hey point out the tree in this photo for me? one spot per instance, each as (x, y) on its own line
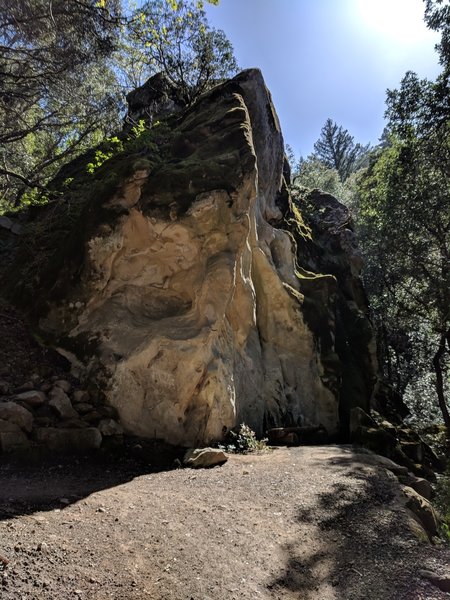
(175, 38)
(60, 94)
(56, 96)
(312, 173)
(336, 148)
(437, 17)
(404, 219)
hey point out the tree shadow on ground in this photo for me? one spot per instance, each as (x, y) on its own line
(49, 482)
(363, 547)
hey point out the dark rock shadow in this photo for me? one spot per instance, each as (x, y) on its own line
(366, 549)
(50, 482)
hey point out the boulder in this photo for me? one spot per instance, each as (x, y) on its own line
(359, 419)
(10, 411)
(63, 384)
(69, 440)
(61, 403)
(440, 580)
(83, 407)
(202, 458)
(421, 485)
(33, 398)
(422, 510)
(81, 396)
(295, 436)
(156, 99)
(109, 427)
(5, 388)
(386, 463)
(12, 438)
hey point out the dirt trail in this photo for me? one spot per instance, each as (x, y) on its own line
(300, 523)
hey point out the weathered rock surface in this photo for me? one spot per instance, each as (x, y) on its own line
(33, 398)
(12, 438)
(203, 458)
(422, 510)
(156, 99)
(10, 411)
(61, 403)
(440, 580)
(196, 298)
(108, 427)
(69, 440)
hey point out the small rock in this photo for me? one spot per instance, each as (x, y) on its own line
(109, 427)
(33, 398)
(107, 412)
(25, 387)
(43, 422)
(93, 417)
(10, 411)
(63, 384)
(60, 401)
(440, 581)
(419, 484)
(5, 388)
(69, 440)
(423, 510)
(81, 396)
(3, 560)
(43, 547)
(201, 458)
(83, 407)
(72, 424)
(12, 437)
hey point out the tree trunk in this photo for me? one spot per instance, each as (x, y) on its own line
(440, 381)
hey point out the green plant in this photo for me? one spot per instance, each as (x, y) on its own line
(108, 149)
(442, 501)
(245, 441)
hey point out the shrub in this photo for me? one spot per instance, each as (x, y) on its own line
(245, 441)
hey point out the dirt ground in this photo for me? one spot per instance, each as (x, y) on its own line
(299, 523)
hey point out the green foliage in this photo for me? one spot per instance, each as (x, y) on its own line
(442, 502)
(109, 148)
(175, 38)
(245, 441)
(61, 87)
(337, 150)
(404, 224)
(437, 17)
(58, 94)
(311, 173)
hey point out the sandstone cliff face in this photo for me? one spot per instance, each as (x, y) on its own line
(186, 289)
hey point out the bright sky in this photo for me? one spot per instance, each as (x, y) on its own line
(329, 58)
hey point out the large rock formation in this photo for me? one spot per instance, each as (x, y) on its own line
(180, 279)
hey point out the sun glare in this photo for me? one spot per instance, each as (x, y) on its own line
(400, 20)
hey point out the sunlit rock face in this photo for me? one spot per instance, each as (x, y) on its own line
(188, 306)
